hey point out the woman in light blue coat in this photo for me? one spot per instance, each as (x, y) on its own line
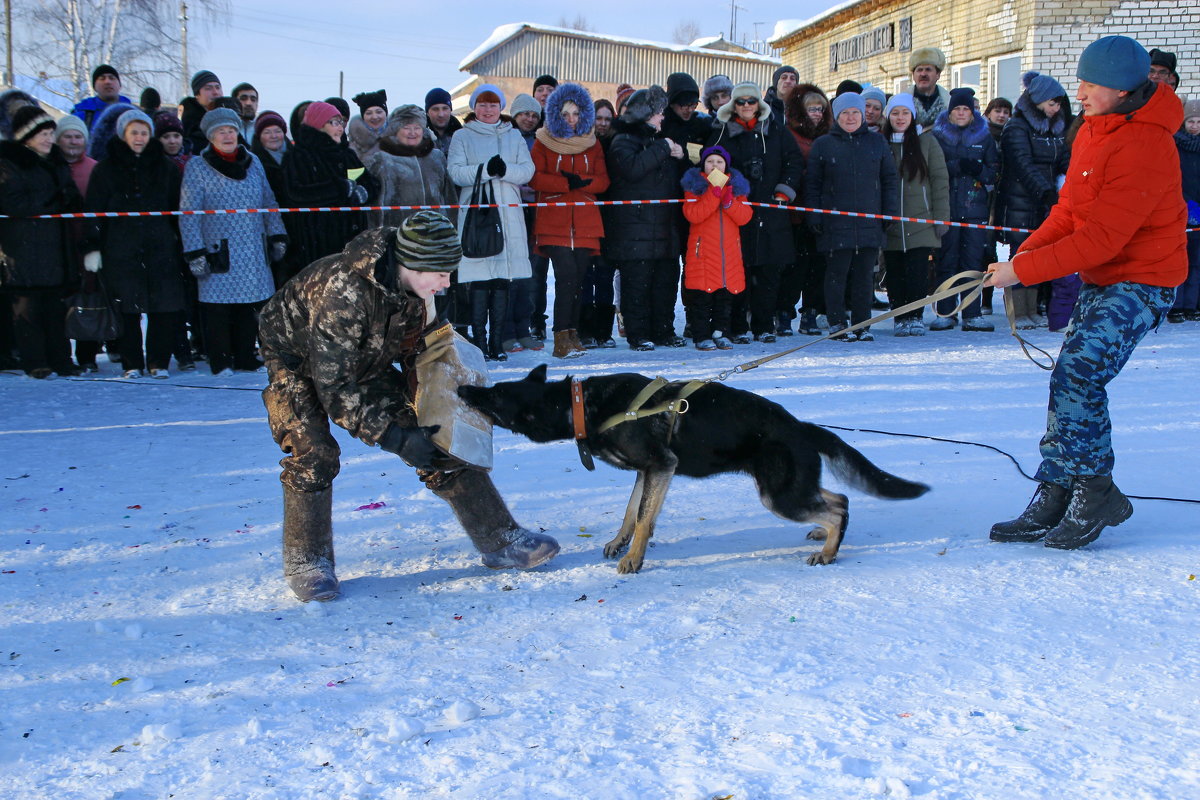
(490, 142)
(229, 253)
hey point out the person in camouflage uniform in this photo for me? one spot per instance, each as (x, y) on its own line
(329, 339)
(1120, 223)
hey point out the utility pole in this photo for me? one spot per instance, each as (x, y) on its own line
(341, 84)
(8, 64)
(183, 21)
(757, 44)
(733, 9)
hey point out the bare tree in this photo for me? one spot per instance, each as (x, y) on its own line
(686, 32)
(62, 41)
(580, 23)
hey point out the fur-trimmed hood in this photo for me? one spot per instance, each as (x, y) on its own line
(104, 128)
(797, 117)
(362, 136)
(972, 134)
(391, 146)
(578, 95)
(1039, 122)
(694, 181)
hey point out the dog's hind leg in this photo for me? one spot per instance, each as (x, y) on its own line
(631, 510)
(654, 493)
(832, 520)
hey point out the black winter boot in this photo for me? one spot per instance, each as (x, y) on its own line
(587, 325)
(497, 313)
(482, 512)
(478, 293)
(603, 326)
(308, 544)
(1095, 503)
(1044, 511)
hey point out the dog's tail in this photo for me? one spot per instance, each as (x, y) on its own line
(855, 469)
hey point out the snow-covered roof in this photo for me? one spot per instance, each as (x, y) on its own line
(509, 31)
(706, 40)
(786, 27)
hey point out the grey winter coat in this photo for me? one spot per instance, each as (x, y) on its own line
(210, 182)
(471, 148)
(410, 176)
(926, 199)
(851, 172)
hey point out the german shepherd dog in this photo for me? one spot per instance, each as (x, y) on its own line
(723, 430)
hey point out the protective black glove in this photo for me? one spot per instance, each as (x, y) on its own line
(970, 166)
(414, 445)
(1049, 197)
(574, 181)
(496, 166)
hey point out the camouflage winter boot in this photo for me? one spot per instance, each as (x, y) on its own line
(1095, 503)
(308, 544)
(1045, 510)
(482, 512)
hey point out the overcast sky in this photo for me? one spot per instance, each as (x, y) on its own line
(293, 51)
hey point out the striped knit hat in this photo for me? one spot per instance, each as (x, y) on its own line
(28, 120)
(428, 242)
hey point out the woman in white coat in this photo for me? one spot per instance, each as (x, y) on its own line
(490, 148)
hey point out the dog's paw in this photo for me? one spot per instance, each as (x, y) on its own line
(820, 534)
(627, 566)
(820, 558)
(614, 548)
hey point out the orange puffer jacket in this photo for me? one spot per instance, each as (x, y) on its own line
(714, 252)
(1120, 215)
(577, 227)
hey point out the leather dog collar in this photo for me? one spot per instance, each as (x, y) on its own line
(579, 424)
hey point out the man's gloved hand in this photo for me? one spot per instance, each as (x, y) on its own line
(574, 181)
(496, 166)
(91, 261)
(414, 445)
(278, 251)
(1049, 197)
(198, 266)
(970, 166)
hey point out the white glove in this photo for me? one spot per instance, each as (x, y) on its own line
(91, 261)
(198, 266)
(278, 251)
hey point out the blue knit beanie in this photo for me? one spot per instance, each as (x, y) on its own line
(902, 100)
(874, 93)
(490, 91)
(1042, 87)
(129, 117)
(437, 96)
(1115, 62)
(962, 96)
(847, 101)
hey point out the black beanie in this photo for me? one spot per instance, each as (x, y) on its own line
(365, 100)
(104, 69)
(682, 89)
(150, 100)
(848, 86)
(201, 79)
(341, 105)
(545, 80)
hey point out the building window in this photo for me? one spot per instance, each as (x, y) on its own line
(1004, 77)
(904, 84)
(966, 75)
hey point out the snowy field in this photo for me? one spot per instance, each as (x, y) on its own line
(150, 648)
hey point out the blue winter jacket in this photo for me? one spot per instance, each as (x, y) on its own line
(973, 143)
(89, 110)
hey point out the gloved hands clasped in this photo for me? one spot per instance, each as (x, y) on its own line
(355, 193)
(496, 166)
(574, 181)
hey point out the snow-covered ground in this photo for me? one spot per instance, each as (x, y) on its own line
(150, 648)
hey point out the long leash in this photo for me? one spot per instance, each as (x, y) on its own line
(969, 283)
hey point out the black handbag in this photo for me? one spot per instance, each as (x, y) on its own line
(482, 234)
(218, 260)
(91, 317)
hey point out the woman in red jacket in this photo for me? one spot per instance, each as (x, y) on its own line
(570, 168)
(713, 272)
(1120, 223)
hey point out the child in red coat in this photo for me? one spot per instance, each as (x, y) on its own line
(712, 271)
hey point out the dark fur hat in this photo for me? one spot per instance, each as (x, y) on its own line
(644, 104)
(569, 92)
(105, 128)
(10, 102)
(376, 99)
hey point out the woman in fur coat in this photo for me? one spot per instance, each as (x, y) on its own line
(569, 160)
(490, 149)
(712, 270)
(365, 129)
(139, 255)
(972, 163)
(408, 166)
(1035, 155)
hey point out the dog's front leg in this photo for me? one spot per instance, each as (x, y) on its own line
(631, 510)
(654, 493)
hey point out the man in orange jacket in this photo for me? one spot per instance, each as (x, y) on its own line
(1120, 223)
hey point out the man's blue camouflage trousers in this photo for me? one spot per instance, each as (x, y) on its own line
(1107, 324)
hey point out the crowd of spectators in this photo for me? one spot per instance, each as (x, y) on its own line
(753, 268)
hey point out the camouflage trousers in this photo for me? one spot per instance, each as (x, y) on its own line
(1106, 326)
(300, 424)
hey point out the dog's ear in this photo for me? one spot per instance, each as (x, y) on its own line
(537, 374)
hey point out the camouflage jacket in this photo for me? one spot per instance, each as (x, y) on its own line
(339, 325)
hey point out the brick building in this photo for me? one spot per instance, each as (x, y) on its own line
(988, 43)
